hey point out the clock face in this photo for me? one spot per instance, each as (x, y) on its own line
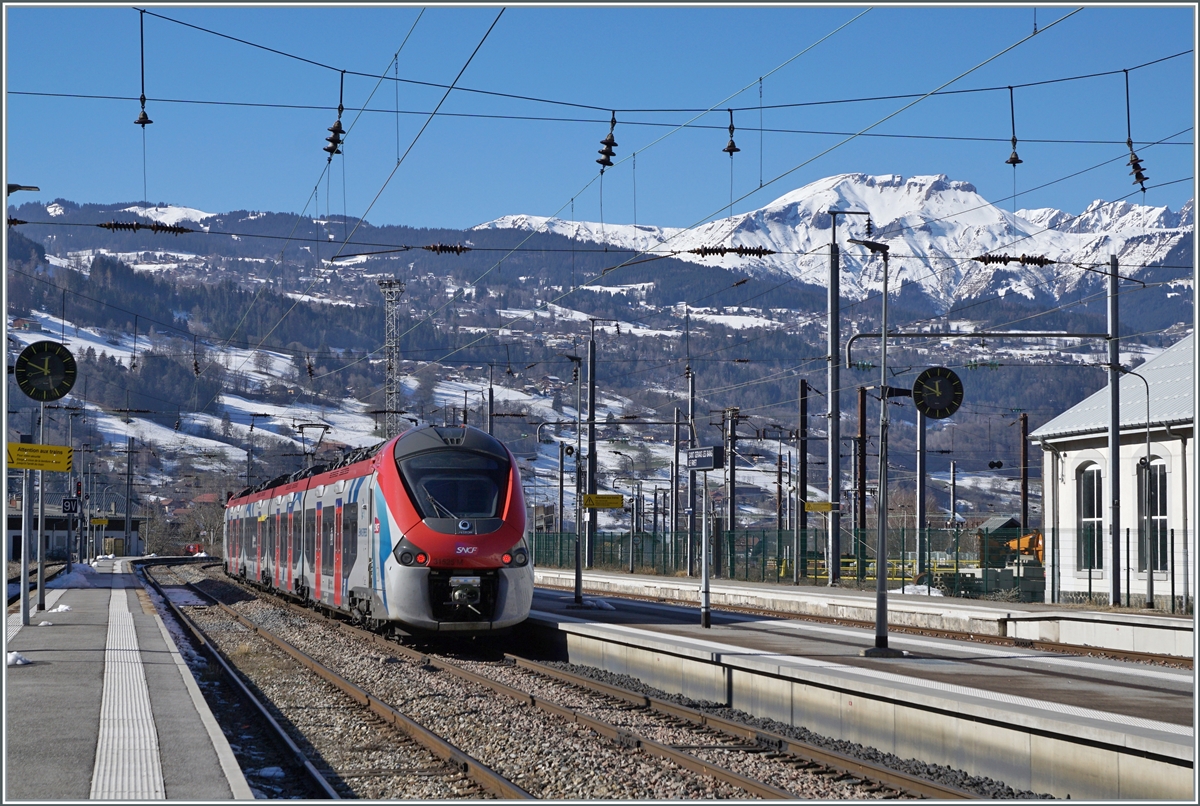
(937, 393)
(45, 370)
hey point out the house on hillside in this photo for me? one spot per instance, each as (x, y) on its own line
(1154, 528)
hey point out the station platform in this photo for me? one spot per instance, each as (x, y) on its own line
(100, 704)
(1117, 629)
(1065, 725)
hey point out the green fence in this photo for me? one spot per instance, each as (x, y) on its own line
(956, 561)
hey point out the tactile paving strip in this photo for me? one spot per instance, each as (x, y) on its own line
(127, 757)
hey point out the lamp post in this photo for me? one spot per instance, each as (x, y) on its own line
(881, 650)
(1144, 463)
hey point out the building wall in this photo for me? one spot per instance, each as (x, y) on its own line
(1061, 472)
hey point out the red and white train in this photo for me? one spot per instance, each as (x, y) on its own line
(424, 533)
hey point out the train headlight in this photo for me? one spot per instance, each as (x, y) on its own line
(408, 554)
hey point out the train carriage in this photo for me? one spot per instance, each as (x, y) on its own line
(422, 533)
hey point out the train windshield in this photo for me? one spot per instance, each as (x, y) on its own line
(456, 484)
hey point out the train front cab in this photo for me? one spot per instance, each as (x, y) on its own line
(450, 529)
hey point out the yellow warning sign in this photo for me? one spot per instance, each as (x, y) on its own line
(818, 506)
(99, 521)
(24, 456)
(603, 501)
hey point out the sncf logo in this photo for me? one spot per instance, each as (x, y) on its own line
(464, 549)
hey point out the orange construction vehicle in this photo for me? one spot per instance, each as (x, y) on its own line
(1030, 544)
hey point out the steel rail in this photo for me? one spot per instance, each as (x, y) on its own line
(479, 772)
(231, 674)
(16, 597)
(626, 738)
(773, 741)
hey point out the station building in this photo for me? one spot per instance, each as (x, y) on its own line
(1156, 527)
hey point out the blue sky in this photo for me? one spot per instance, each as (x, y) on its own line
(465, 169)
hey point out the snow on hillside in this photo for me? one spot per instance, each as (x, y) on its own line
(169, 214)
(933, 224)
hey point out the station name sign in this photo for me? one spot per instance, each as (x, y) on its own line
(710, 458)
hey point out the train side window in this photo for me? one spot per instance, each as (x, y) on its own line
(310, 531)
(328, 520)
(349, 537)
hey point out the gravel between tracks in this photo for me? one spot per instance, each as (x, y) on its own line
(984, 787)
(468, 716)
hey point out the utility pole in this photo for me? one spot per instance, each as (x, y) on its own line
(801, 561)
(691, 490)
(392, 289)
(1024, 472)
(1114, 431)
(41, 530)
(922, 516)
(672, 511)
(860, 500)
(128, 494)
(562, 448)
(591, 459)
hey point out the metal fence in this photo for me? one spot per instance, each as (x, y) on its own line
(1003, 564)
(955, 561)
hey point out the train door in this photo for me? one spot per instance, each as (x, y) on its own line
(318, 570)
(308, 562)
(338, 530)
(258, 539)
(290, 539)
(350, 542)
(278, 540)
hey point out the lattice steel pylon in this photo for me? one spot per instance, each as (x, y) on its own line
(392, 289)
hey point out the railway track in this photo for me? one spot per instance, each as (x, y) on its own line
(997, 640)
(741, 760)
(348, 744)
(52, 570)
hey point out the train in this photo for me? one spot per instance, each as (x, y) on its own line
(421, 534)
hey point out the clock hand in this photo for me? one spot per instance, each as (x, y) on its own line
(46, 366)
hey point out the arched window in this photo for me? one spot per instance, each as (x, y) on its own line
(1090, 545)
(1152, 516)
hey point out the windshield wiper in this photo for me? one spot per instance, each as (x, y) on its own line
(438, 505)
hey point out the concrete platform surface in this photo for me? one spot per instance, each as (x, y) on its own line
(1063, 724)
(1141, 631)
(105, 708)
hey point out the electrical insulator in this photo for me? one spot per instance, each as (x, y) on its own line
(609, 143)
(441, 248)
(335, 139)
(142, 120)
(574, 373)
(176, 423)
(1139, 177)
(308, 365)
(731, 148)
(995, 465)
(870, 227)
(863, 365)
(1013, 159)
(195, 366)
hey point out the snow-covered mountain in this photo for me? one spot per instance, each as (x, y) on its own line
(934, 226)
